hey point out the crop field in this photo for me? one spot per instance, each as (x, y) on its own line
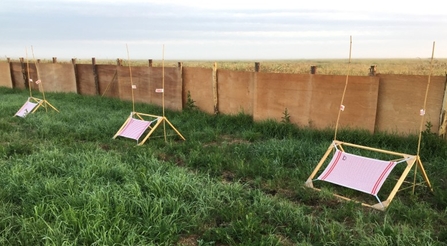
(361, 67)
(66, 181)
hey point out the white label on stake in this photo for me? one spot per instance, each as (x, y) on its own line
(159, 90)
(422, 112)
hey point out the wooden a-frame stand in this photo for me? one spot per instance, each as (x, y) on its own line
(160, 119)
(40, 102)
(411, 160)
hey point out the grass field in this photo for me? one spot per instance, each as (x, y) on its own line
(65, 181)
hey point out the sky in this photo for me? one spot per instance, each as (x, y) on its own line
(221, 30)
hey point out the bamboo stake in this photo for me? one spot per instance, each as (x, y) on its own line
(423, 119)
(425, 99)
(38, 78)
(163, 94)
(27, 71)
(130, 75)
(344, 90)
(163, 79)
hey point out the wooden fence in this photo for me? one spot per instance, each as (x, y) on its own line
(385, 103)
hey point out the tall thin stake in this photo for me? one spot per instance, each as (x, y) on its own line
(38, 78)
(163, 79)
(425, 99)
(27, 71)
(344, 90)
(130, 74)
(163, 86)
(422, 113)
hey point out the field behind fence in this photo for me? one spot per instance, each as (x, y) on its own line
(374, 100)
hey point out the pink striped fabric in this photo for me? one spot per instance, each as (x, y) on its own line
(357, 172)
(134, 128)
(26, 109)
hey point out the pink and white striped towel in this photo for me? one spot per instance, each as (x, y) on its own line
(357, 172)
(26, 109)
(134, 128)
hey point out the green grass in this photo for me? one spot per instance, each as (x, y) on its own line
(65, 181)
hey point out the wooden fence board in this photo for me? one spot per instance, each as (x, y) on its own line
(401, 97)
(274, 92)
(108, 80)
(198, 82)
(86, 79)
(235, 92)
(147, 80)
(360, 101)
(57, 77)
(5, 75)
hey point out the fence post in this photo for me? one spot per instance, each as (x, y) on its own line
(73, 61)
(180, 69)
(257, 66)
(215, 92)
(313, 69)
(443, 124)
(10, 71)
(24, 72)
(95, 75)
(372, 70)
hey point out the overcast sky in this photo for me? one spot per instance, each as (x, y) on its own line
(217, 30)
